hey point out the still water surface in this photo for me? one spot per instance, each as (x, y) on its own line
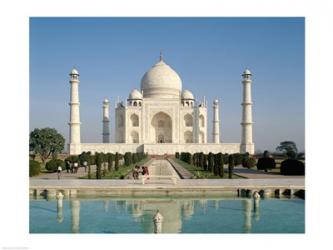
(104, 215)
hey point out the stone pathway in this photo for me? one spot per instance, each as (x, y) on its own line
(161, 167)
(255, 174)
(189, 184)
(65, 175)
(183, 172)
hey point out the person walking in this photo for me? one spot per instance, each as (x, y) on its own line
(147, 172)
(59, 172)
(85, 164)
(67, 166)
(134, 171)
(76, 167)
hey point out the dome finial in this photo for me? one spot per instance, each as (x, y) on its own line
(161, 56)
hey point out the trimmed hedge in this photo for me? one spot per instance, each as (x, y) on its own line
(292, 167)
(128, 158)
(249, 162)
(266, 163)
(99, 159)
(231, 165)
(53, 164)
(34, 168)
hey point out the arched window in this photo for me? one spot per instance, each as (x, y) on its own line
(135, 120)
(135, 104)
(188, 120)
(188, 137)
(202, 120)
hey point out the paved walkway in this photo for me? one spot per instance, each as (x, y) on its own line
(65, 175)
(190, 184)
(255, 174)
(183, 172)
(161, 167)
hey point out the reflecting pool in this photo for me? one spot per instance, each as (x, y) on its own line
(135, 215)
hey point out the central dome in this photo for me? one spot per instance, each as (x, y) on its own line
(161, 81)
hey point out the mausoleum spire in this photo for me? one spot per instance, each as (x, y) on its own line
(161, 56)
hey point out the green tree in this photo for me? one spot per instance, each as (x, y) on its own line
(46, 142)
(34, 168)
(231, 166)
(216, 165)
(201, 160)
(116, 161)
(99, 159)
(128, 158)
(110, 160)
(287, 147)
(220, 164)
(210, 162)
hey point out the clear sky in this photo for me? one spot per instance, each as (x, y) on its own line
(209, 54)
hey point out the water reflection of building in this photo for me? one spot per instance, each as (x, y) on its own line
(188, 209)
(247, 215)
(60, 216)
(106, 206)
(203, 204)
(248, 204)
(256, 204)
(75, 206)
(172, 211)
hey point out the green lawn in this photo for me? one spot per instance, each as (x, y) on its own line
(201, 174)
(121, 173)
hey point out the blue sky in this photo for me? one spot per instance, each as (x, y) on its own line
(112, 55)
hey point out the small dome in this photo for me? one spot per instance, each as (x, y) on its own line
(74, 72)
(216, 101)
(161, 81)
(187, 95)
(106, 100)
(135, 94)
(247, 72)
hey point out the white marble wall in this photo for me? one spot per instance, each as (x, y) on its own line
(160, 149)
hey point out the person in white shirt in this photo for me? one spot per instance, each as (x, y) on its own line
(59, 172)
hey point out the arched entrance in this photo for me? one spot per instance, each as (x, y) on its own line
(162, 128)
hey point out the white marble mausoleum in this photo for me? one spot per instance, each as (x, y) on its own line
(161, 118)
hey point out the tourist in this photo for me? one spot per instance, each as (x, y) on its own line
(76, 166)
(147, 172)
(71, 166)
(85, 164)
(137, 171)
(59, 172)
(134, 173)
(143, 170)
(67, 166)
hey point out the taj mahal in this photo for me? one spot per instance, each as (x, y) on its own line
(161, 118)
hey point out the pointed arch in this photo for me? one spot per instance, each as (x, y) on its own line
(134, 120)
(161, 128)
(188, 119)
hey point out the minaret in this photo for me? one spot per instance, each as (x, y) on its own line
(246, 141)
(106, 121)
(216, 122)
(74, 123)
